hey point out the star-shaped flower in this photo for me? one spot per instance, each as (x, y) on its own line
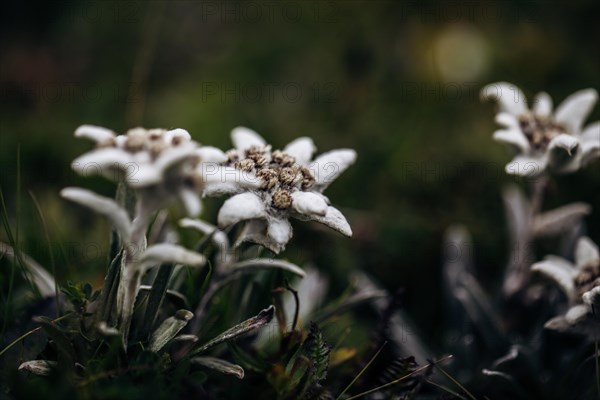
(581, 283)
(159, 164)
(271, 186)
(542, 138)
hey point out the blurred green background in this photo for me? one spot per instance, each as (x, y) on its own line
(396, 80)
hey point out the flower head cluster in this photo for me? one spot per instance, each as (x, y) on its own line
(269, 186)
(542, 138)
(580, 282)
(160, 164)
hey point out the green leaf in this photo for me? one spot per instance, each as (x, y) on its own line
(308, 367)
(219, 365)
(169, 329)
(316, 348)
(263, 318)
(108, 296)
(155, 299)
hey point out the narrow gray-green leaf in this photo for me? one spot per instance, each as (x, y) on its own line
(164, 253)
(107, 331)
(40, 277)
(169, 329)
(185, 339)
(266, 263)
(38, 367)
(347, 304)
(108, 296)
(263, 318)
(219, 365)
(64, 347)
(178, 299)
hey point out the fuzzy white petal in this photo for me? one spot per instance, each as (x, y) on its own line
(591, 133)
(175, 155)
(103, 162)
(564, 142)
(577, 314)
(142, 175)
(96, 133)
(309, 203)
(178, 133)
(280, 231)
(514, 137)
(590, 142)
(559, 270)
(217, 189)
(542, 104)
(211, 154)
(592, 297)
(328, 166)
(335, 220)
(573, 111)
(241, 207)
(509, 97)
(586, 251)
(528, 166)
(302, 149)
(215, 174)
(102, 205)
(507, 120)
(191, 202)
(244, 138)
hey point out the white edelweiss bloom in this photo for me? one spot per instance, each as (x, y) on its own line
(160, 164)
(542, 138)
(271, 186)
(580, 282)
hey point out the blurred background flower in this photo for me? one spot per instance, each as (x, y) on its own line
(398, 81)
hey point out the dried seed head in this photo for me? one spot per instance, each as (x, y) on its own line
(289, 176)
(259, 159)
(283, 159)
(588, 278)
(155, 134)
(110, 142)
(308, 180)
(232, 155)
(539, 130)
(245, 165)
(136, 138)
(269, 177)
(176, 140)
(282, 199)
(156, 147)
(254, 151)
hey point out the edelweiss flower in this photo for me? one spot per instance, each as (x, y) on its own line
(272, 186)
(158, 163)
(581, 283)
(544, 139)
